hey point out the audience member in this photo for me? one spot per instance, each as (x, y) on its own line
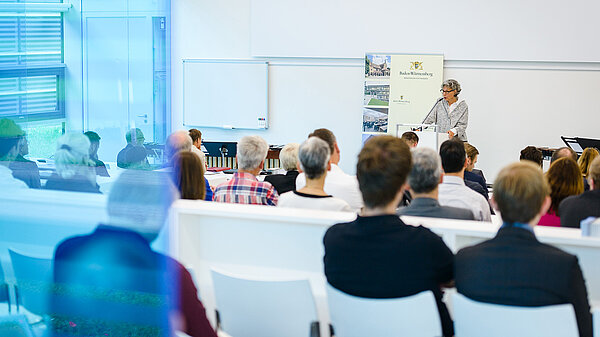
(575, 208)
(15, 148)
(135, 139)
(514, 268)
(197, 145)
(10, 134)
(314, 156)
(337, 183)
(181, 141)
(425, 176)
(453, 191)
(244, 188)
(113, 283)
(472, 154)
(411, 139)
(565, 180)
(533, 154)
(377, 255)
(188, 175)
(94, 139)
(584, 162)
(563, 152)
(288, 158)
(74, 169)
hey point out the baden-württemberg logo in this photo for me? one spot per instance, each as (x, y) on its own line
(416, 65)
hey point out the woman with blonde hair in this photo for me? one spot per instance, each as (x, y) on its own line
(564, 178)
(75, 171)
(584, 162)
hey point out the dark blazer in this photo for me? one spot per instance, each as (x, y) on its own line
(475, 178)
(381, 257)
(431, 208)
(575, 208)
(118, 280)
(514, 268)
(283, 182)
(76, 183)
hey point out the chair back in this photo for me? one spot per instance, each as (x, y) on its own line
(471, 318)
(249, 308)
(596, 321)
(15, 326)
(352, 316)
(33, 281)
(4, 294)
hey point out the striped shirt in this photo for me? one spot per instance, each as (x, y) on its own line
(244, 188)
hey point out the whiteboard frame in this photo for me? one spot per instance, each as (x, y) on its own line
(235, 61)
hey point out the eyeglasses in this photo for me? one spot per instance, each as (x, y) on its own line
(446, 91)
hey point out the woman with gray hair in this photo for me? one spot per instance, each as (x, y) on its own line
(314, 155)
(450, 114)
(288, 157)
(75, 171)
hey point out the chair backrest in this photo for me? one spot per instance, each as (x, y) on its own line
(414, 316)
(472, 317)
(264, 308)
(596, 321)
(4, 294)
(15, 326)
(33, 281)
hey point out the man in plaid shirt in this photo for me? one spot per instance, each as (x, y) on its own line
(244, 188)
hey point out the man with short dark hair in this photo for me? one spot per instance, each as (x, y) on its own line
(94, 146)
(453, 191)
(514, 268)
(196, 136)
(575, 208)
(10, 134)
(411, 139)
(563, 152)
(135, 140)
(424, 178)
(533, 154)
(337, 183)
(378, 255)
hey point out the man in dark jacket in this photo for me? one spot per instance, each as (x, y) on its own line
(514, 268)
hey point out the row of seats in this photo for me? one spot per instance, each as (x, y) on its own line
(249, 308)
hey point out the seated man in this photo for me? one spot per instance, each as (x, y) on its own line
(472, 154)
(10, 135)
(182, 141)
(135, 139)
(514, 268)
(314, 162)
(244, 188)
(95, 145)
(411, 139)
(24, 169)
(563, 152)
(424, 178)
(111, 283)
(337, 183)
(533, 154)
(197, 145)
(578, 207)
(453, 191)
(377, 255)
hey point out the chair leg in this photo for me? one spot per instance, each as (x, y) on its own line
(315, 329)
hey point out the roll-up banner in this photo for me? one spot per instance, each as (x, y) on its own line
(399, 89)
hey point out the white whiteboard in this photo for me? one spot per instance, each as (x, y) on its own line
(510, 30)
(225, 94)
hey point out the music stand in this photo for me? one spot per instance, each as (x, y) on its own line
(578, 144)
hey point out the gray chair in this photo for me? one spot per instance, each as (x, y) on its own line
(33, 282)
(15, 326)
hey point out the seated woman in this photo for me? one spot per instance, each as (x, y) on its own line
(564, 178)
(74, 169)
(314, 156)
(289, 162)
(188, 175)
(584, 162)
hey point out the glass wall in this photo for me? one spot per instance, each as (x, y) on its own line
(84, 114)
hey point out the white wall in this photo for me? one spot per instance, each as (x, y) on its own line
(512, 104)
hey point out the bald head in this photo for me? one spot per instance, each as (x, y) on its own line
(562, 153)
(178, 141)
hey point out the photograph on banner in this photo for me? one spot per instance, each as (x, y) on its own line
(377, 66)
(375, 119)
(377, 93)
(415, 84)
